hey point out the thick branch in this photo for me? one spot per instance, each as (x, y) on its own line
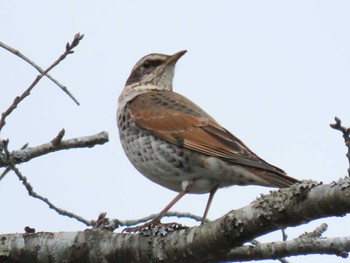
(24, 155)
(211, 242)
(275, 250)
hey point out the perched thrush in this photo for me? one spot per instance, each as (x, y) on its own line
(175, 143)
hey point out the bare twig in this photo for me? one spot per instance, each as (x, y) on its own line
(8, 168)
(346, 135)
(284, 235)
(103, 222)
(18, 99)
(24, 155)
(32, 193)
(9, 159)
(169, 214)
(38, 68)
(316, 233)
(3, 174)
(58, 139)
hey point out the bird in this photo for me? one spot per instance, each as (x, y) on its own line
(176, 144)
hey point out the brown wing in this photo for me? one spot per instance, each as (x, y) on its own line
(172, 117)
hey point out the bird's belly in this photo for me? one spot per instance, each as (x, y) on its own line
(163, 163)
(170, 165)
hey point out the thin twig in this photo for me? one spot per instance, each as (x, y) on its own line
(284, 238)
(3, 174)
(168, 214)
(316, 233)
(103, 222)
(284, 234)
(346, 135)
(58, 139)
(32, 193)
(38, 68)
(18, 99)
(11, 158)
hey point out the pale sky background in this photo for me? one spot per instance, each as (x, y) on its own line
(274, 73)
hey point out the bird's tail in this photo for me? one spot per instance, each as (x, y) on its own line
(280, 180)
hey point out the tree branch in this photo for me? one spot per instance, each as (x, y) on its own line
(38, 68)
(57, 144)
(346, 135)
(8, 158)
(7, 169)
(18, 99)
(104, 223)
(292, 206)
(168, 214)
(331, 246)
(32, 193)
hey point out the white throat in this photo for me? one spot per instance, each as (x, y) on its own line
(131, 91)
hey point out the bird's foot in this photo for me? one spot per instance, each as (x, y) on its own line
(154, 228)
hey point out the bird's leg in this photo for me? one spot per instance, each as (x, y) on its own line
(186, 187)
(210, 199)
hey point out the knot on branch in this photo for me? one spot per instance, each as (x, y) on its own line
(346, 136)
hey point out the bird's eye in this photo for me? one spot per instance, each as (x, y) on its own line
(147, 64)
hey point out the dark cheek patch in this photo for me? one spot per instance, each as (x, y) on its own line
(135, 77)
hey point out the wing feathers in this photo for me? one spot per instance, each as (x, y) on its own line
(174, 118)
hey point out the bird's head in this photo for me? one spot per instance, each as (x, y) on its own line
(152, 72)
(155, 69)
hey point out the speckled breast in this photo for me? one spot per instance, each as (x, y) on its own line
(162, 162)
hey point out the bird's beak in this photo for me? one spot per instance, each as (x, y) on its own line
(175, 57)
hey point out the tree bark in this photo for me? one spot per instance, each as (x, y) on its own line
(219, 240)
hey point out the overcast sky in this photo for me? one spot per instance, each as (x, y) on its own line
(274, 73)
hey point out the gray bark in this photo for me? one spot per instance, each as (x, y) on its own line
(220, 240)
